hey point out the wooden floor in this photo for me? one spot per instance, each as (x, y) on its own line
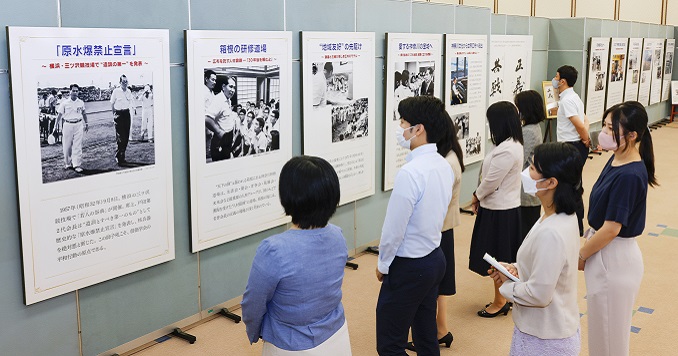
(654, 328)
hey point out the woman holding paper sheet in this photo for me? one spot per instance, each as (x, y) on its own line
(545, 310)
(611, 259)
(497, 199)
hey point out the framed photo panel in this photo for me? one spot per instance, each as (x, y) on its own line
(338, 75)
(596, 85)
(413, 68)
(617, 70)
(239, 129)
(92, 124)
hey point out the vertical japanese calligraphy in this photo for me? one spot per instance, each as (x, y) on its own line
(509, 67)
(466, 68)
(338, 106)
(413, 68)
(240, 131)
(94, 167)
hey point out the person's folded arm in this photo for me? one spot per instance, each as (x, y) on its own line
(261, 286)
(398, 212)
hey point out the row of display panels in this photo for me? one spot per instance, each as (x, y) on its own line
(95, 169)
(638, 69)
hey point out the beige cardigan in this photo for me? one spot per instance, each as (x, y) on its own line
(453, 217)
(500, 182)
(545, 299)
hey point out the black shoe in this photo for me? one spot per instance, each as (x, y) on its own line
(504, 310)
(490, 303)
(447, 340)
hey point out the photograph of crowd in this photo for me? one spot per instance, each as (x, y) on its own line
(412, 79)
(473, 145)
(458, 80)
(350, 121)
(242, 111)
(332, 83)
(92, 123)
(461, 122)
(616, 69)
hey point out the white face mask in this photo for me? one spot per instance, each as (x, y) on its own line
(400, 137)
(529, 184)
(555, 83)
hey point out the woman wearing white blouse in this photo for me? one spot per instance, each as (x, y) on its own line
(545, 310)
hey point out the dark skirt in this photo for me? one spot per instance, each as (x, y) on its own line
(496, 232)
(448, 285)
(528, 217)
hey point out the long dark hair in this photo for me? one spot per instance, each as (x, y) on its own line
(531, 107)
(561, 161)
(504, 122)
(631, 116)
(450, 142)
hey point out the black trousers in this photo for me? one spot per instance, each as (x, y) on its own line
(123, 123)
(584, 153)
(221, 149)
(408, 298)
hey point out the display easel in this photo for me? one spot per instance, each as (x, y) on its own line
(674, 111)
(551, 97)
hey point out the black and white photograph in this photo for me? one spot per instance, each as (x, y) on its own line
(458, 80)
(633, 60)
(95, 123)
(332, 83)
(634, 78)
(473, 145)
(350, 121)
(242, 111)
(595, 63)
(412, 79)
(668, 68)
(462, 124)
(647, 60)
(600, 81)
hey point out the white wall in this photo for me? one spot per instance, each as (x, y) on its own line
(672, 13)
(514, 7)
(553, 8)
(481, 3)
(600, 9)
(641, 10)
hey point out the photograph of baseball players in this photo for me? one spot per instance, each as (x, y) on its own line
(458, 80)
(242, 111)
(85, 132)
(349, 121)
(461, 123)
(332, 83)
(412, 79)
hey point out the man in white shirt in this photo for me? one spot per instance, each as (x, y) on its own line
(210, 83)
(72, 112)
(121, 105)
(411, 264)
(221, 120)
(573, 124)
(320, 84)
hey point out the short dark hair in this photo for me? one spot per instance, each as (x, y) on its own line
(122, 76)
(427, 111)
(562, 161)
(309, 191)
(209, 73)
(530, 106)
(242, 111)
(223, 80)
(429, 70)
(328, 66)
(260, 120)
(569, 73)
(275, 113)
(405, 77)
(504, 122)
(74, 86)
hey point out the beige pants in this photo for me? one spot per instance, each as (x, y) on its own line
(337, 345)
(613, 277)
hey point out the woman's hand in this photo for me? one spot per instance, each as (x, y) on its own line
(581, 265)
(511, 268)
(475, 204)
(380, 276)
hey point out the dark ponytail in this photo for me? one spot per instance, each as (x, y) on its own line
(646, 150)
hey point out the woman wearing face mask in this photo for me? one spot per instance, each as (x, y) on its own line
(545, 311)
(497, 200)
(617, 206)
(531, 108)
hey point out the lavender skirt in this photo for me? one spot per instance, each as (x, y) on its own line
(528, 345)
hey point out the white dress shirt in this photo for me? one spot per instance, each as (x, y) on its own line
(414, 217)
(570, 104)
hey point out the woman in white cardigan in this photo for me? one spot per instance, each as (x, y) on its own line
(545, 310)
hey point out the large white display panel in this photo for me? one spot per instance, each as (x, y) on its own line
(617, 70)
(668, 68)
(646, 63)
(235, 166)
(657, 71)
(338, 106)
(633, 69)
(413, 67)
(465, 73)
(509, 67)
(599, 49)
(86, 218)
